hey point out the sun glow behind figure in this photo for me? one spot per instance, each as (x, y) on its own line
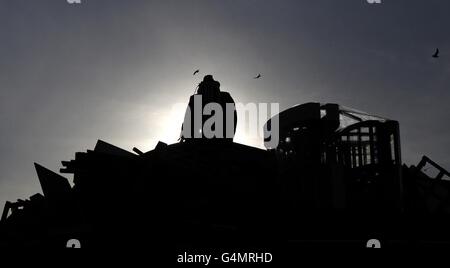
(170, 121)
(165, 124)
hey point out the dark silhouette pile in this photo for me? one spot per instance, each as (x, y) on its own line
(336, 178)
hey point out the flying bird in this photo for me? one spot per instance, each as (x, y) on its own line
(436, 54)
(257, 77)
(196, 72)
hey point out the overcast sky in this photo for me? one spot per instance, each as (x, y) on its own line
(74, 73)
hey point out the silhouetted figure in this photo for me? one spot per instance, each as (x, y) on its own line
(436, 54)
(224, 125)
(196, 72)
(209, 87)
(257, 77)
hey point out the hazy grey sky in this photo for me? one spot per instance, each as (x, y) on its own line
(71, 74)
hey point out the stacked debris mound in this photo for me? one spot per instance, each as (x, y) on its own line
(335, 178)
(428, 187)
(166, 195)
